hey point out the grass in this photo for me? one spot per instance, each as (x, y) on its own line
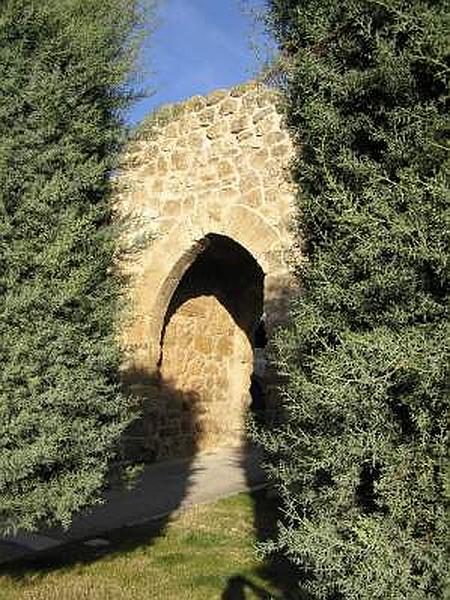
(205, 553)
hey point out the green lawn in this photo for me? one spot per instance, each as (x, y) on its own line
(204, 553)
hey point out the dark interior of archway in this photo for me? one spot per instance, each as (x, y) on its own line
(257, 392)
(227, 271)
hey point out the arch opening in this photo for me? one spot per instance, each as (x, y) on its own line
(211, 329)
(227, 271)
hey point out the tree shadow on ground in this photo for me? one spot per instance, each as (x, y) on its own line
(122, 525)
(115, 535)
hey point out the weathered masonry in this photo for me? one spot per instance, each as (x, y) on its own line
(209, 208)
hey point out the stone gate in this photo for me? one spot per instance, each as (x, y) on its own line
(205, 194)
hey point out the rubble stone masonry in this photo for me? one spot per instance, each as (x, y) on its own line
(205, 193)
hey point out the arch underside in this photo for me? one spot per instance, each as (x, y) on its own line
(207, 341)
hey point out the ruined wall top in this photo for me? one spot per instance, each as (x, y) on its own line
(221, 112)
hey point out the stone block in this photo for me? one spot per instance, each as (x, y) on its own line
(262, 113)
(239, 124)
(171, 130)
(229, 106)
(257, 160)
(225, 168)
(206, 116)
(216, 97)
(275, 137)
(280, 151)
(172, 209)
(180, 160)
(254, 198)
(245, 135)
(216, 130)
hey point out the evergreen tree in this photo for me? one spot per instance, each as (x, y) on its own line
(360, 458)
(64, 84)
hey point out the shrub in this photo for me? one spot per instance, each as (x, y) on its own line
(361, 457)
(64, 85)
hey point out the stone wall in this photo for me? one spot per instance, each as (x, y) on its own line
(209, 360)
(209, 208)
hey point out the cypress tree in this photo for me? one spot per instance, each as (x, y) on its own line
(64, 85)
(360, 459)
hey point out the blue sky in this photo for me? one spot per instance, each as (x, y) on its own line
(199, 46)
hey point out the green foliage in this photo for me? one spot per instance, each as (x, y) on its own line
(64, 84)
(361, 456)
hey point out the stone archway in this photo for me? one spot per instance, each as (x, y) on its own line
(205, 184)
